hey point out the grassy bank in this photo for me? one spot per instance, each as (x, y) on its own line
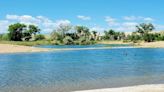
(27, 43)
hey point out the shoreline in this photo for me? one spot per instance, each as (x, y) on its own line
(138, 88)
(157, 44)
(10, 48)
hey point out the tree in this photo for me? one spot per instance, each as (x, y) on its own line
(82, 31)
(94, 35)
(110, 35)
(15, 31)
(145, 28)
(63, 28)
(32, 30)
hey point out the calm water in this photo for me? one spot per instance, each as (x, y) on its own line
(66, 71)
(84, 46)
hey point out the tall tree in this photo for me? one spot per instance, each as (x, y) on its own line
(63, 28)
(145, 28)
(32, 30)
(15, 31)
(82, 31)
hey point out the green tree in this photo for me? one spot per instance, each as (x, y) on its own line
(94, 35)
(110, 35)
(39, 37)
(145, 28)
(16, 31)
(32, 30)
(82, 31)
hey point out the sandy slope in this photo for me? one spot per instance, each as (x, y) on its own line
(8, 48)
(141, 88)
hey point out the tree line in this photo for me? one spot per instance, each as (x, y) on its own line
(79, 35)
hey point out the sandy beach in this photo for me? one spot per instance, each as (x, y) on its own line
(159, 44)
(140, 88)
(114, 42)
(8, 48)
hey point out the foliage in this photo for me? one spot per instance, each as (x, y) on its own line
(16, 31)
(62, 29)
(82, 35)
(65, 34)
(39, 37)
(112, 35)
(32, 30)
(19, 32)
(134, 37)
(68, 40)
(145, 28)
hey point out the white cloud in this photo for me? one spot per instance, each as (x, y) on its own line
(84, 17)
(3, 26)
(127, 26)
(148, 19)
(111, 21)
(63, 22)
(44, 23)
(97, 28)
(138, 18)
(159, 27)
(133, 18)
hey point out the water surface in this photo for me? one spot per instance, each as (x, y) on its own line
(66, 71)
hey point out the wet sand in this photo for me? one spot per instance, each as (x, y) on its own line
(140, 88)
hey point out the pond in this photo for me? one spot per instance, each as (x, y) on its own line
(67, 71)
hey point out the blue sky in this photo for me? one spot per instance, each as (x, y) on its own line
(99, 15)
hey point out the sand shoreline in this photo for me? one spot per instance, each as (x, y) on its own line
(9, 48)
(139, 88)
(158, 44)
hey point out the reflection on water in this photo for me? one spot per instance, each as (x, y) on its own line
(77, 70)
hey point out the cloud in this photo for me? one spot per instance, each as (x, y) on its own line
(138, 18)
(84, 17)
(111, 21)
(159, 27)
(148, 19)
(132, 18)
(97, 28)
(127, 26)
(3, 26)
(47, 25)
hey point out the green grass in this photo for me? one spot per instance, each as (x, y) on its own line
(27, 43)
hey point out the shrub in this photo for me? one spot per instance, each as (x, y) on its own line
(5, 37)
(149, 37)
(68, 40)
(39, 37)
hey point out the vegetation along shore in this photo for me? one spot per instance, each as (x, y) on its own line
(30, 35)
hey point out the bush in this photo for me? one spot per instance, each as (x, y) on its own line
(68, 40)
(149, 37)
(134, 37)
(4, 37)
(39, 37)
